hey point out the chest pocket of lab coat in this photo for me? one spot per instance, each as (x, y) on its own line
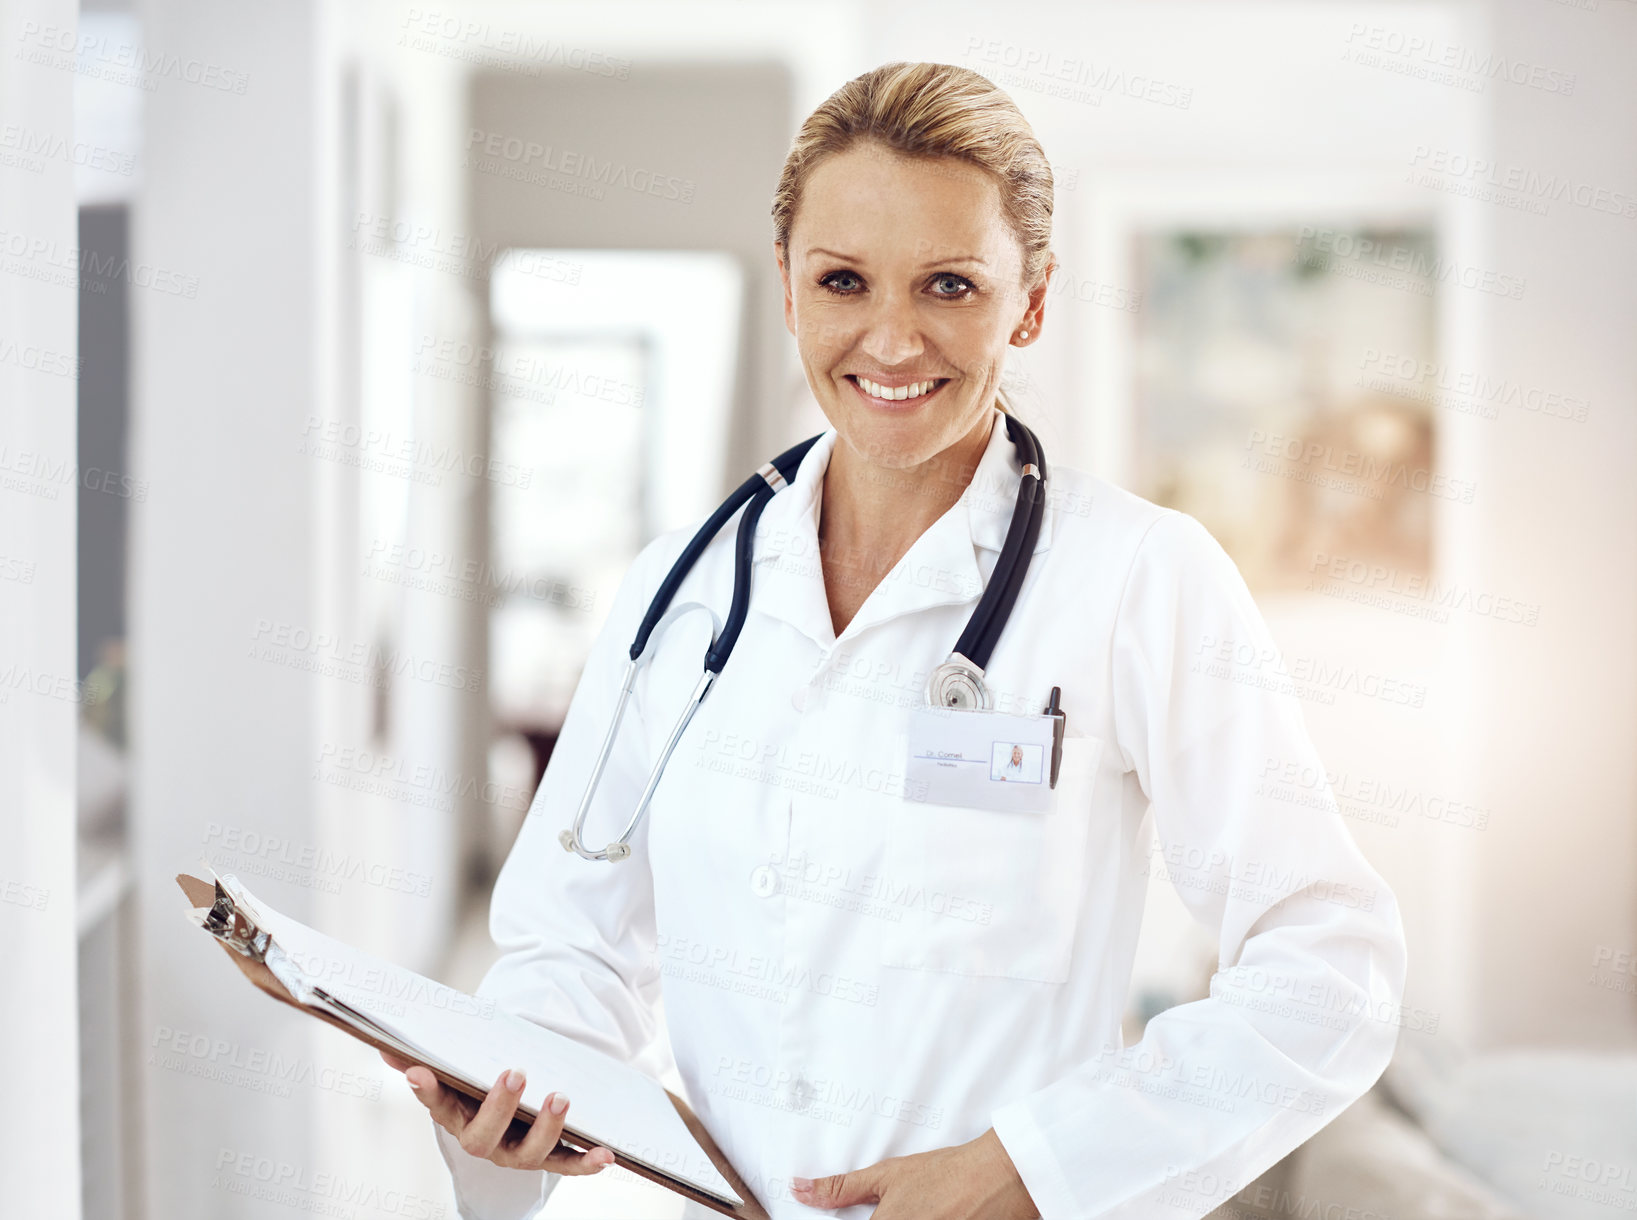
(986, 892)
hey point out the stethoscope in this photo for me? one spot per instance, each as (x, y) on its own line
(957, 683)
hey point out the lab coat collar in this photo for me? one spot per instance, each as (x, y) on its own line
(941, 568)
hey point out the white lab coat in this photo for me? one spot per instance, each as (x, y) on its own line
(848, 975)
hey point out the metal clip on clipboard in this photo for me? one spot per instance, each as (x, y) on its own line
(227, 923)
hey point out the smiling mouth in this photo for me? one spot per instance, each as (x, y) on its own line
(913, 392)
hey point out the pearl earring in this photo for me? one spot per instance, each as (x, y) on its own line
(1022, 334)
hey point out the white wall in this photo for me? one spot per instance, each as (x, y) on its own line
(39, 1049)
(224, 542)
(1555, 710)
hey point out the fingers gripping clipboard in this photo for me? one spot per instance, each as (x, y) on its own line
(236, 923)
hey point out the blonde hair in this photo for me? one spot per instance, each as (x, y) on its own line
(928, 111)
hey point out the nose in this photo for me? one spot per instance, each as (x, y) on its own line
(892, 333)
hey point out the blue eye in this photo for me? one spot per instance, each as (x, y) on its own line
(962, 284)
(829, 282)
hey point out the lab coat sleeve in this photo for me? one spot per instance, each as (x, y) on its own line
(577, 937)
(1302, 1012)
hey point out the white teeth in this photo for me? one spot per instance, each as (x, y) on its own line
(913, 390)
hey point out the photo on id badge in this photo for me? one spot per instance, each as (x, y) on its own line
(1016, 762)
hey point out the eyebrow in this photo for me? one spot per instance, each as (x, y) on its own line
(956, 258)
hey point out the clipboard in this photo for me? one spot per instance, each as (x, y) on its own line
(245, 944)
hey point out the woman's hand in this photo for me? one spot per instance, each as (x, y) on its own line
(481, 1129)
(973, 1181)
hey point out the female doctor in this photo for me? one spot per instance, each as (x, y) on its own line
(884, 1002)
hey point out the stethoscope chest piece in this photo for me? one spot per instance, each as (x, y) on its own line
(957, 683)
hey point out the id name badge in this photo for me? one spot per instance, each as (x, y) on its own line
(983, 760)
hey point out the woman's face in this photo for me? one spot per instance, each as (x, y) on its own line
(1017, 756)
(903, 290)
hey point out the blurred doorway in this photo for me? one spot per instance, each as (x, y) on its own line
(609, 413)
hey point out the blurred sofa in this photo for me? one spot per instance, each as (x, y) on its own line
(1448, 1134)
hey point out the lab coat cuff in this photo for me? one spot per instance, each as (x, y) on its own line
(1035, 1161)
(486, 1191)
